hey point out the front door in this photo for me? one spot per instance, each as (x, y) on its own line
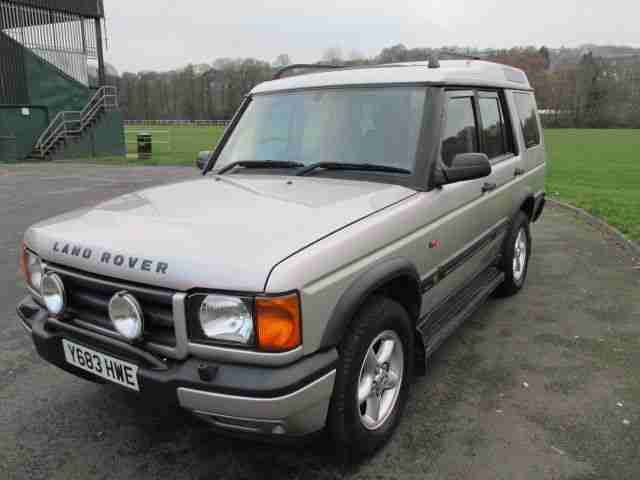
(461, 242)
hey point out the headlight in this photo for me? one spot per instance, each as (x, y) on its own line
(227, 319)
(31, 267)
(53, 294)
(270, 324)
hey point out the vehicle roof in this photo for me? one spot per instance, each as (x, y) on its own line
(472, 73)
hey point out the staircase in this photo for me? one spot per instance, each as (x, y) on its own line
(70, 126)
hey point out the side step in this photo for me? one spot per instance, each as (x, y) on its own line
(440, 323)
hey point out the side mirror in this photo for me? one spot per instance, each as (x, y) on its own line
(202, 159)
(467, 166)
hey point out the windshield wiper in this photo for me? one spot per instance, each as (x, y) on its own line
(367, 167)
(260, 164)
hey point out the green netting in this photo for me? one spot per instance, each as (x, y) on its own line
(50, 92)
(25, 126)
(8, 149)
(106, 138)
(52, 88)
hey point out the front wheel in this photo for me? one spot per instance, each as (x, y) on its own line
(515, 256)
(372, 381)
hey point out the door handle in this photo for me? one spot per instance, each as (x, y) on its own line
(487, 187)
(517, 172)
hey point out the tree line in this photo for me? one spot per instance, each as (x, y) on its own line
(591, 86)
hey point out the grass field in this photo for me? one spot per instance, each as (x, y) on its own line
(173, 145)
(598, 170)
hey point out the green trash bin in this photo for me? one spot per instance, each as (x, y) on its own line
(145, 146)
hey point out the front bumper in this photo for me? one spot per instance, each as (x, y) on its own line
(292, 400)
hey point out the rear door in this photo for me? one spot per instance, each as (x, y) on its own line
(500, 145)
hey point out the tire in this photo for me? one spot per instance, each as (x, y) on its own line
(379, 321)
(514, 278)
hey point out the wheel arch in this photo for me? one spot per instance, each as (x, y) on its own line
(526, 203)
(532, 205)
(528, 206)
(396, 278)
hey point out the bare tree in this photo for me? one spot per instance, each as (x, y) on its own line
(282, 60)
(356, 56)
(591, 86)
(332, 55)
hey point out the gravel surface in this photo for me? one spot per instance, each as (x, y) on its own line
(542, 385)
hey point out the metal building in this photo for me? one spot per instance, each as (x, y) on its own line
(49, 108)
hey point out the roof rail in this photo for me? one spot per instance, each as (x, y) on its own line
(434, 58)
(317, 66)
(434, 62)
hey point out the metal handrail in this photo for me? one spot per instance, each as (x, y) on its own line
(57, 129)
(75, 122)
(51, 125)
(90, 115)
(99, 95)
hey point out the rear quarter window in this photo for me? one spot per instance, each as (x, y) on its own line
(526, 107)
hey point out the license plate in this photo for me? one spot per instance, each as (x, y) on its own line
(105, 366)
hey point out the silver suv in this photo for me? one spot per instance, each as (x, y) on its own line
(345, 225)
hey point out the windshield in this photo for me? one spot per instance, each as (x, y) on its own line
(357, 125)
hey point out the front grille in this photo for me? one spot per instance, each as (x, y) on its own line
(88, 299)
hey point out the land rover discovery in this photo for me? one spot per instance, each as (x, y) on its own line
(345, 225)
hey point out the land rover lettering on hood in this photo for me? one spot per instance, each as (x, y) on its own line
(118, 260)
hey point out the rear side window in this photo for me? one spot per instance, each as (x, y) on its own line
(493, 132)
(526, 107)
(460, 134)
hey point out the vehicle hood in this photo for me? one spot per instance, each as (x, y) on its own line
(218, 232)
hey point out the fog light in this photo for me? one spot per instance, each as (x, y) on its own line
(53, 294)
(126, 315)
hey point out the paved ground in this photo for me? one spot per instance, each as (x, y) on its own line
(543, 385)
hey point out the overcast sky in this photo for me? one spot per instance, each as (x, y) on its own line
(167, 34)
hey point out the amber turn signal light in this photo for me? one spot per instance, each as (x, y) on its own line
(23, 263)
(278, 323)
